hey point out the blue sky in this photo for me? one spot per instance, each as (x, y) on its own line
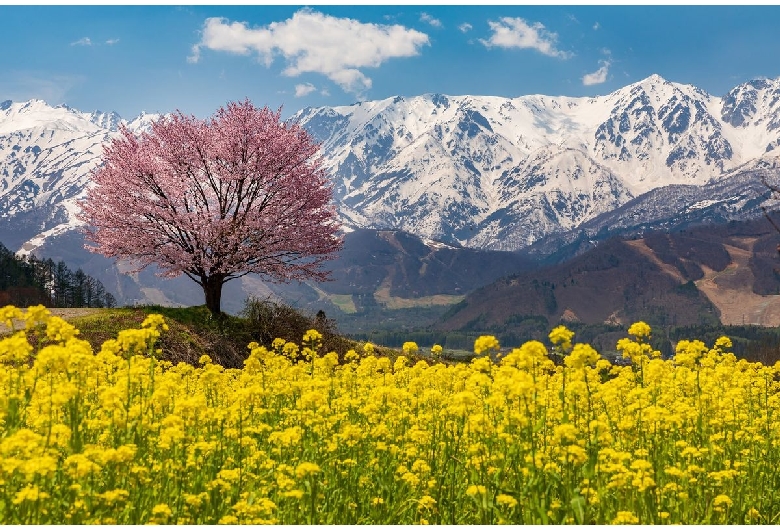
(196, 58)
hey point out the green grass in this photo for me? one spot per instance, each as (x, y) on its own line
(344, 302)
(193, 332)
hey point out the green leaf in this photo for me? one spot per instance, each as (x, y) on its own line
(578, 506)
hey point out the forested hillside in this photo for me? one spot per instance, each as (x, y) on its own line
(26, 281)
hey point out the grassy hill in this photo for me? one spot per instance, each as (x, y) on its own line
(194, 331)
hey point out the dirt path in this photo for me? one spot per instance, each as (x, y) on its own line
(66, 313)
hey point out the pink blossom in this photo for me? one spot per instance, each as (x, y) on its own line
(241, 192)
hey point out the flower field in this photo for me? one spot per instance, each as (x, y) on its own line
(301, 436)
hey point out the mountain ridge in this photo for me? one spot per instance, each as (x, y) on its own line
(535, 173)
(475, 169)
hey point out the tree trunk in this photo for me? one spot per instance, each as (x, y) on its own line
(212, 288)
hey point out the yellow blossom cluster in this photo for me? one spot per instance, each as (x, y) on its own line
(410, 348)
(299, 436)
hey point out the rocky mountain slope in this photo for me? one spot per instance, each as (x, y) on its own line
(46, 154)
(547, 174)
(738, 196)
(502, 173)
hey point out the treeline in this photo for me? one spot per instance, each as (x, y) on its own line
(454, 340)
(464, 340)
(754, 343)
(26, 281)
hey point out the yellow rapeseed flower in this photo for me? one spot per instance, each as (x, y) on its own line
(486, 343)
(36, 315)
(640, 330)
(312, 339)
(506, 500)
(689, 352)
(15, 349)
(426, 502)
(722, 503)
(155, 321)
(290, 349)
(29, 493)
(60, 331)
(306, 468)
(560, 336)
(625, 517)
(410, 348)
(10, 313)
(204, 359)
(474, 490)
(293, 494)
(723, 344)
(582, 355)
(115, 496)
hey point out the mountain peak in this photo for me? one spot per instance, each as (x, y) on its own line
(106, 120)
(38, 103)
(656, 83)
(654, 79)
(481, 171)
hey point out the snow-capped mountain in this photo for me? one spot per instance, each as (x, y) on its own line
(739, 195)
(502, 173)
(46, 154)
(478, 171)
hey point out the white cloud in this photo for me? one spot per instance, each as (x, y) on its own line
(435, 22)
(517, 33)
(313, 42)
(597, 77)
(86, 41)
(304, 89)
(596, 26)
(111, 42)
(465, 27)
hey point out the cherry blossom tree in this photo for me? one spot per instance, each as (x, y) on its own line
(241, 192)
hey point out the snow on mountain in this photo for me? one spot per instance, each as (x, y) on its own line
(503, 172)
(479, 171)
(106, 120)
(46, 154)
(553, 189)
(738, 195)
(751, 113)
(661, 133)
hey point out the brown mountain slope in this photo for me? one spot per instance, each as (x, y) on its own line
(711, 274)
(731, 291)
